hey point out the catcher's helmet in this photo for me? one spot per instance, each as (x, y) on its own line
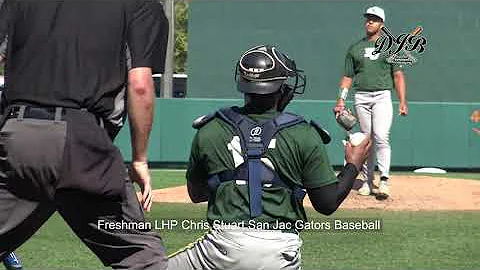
(264, 70)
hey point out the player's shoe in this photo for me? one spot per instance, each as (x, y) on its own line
(383, 191)
(365, 189)
(12, 262)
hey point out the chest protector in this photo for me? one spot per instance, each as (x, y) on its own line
(254, 140)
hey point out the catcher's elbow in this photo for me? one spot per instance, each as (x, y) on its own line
(199, 199)
(326, 210)
(330, 212)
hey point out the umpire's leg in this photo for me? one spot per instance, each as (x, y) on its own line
(28, 150)
(121, 248)
(19, 219)
(95, 189)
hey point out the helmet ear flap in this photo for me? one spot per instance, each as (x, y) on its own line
(286, 95)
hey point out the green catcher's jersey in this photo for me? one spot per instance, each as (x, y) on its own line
(369, 72)
(297, 153)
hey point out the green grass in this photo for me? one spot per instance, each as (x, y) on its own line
(408, 240)
(167, 178)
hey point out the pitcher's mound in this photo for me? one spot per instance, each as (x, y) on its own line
(407, 193)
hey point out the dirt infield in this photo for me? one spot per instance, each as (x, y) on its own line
(412, 193)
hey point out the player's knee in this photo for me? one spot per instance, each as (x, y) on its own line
(382, 138)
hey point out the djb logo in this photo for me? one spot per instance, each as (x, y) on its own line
(399, 48)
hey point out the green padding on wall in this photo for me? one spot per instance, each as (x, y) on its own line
(434, 134)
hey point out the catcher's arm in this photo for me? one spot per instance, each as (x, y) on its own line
(328, 198)
(197, 174)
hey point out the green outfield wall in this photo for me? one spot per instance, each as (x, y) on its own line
(317, 34)
(442, 87)
(433, 134)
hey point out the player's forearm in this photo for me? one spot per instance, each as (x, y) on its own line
(345, 84)
(327, 199)
(400, 86)
(346, 179)
(141, 104)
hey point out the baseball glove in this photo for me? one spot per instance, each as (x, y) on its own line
(346, 119)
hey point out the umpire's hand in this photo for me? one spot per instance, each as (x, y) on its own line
(140, 174)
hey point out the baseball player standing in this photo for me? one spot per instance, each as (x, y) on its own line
(66, 79)
(253, 163)
(372, 78)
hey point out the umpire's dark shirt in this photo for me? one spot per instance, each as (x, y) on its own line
(71, 53)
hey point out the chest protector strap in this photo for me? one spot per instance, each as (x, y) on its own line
(254, 140)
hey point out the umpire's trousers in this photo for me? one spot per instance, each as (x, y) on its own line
(56, 159)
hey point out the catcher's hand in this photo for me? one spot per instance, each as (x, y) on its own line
(346, 119)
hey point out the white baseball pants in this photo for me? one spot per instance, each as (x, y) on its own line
(237, 249)
(375, 114)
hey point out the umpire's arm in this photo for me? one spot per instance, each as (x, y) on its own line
(146, 41)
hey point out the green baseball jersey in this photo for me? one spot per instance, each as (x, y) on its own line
(297, 153)
(369, 72)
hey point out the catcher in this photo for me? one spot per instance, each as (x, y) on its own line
(252, 164)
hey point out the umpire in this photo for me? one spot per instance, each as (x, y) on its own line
(66, 80)
(252, 164)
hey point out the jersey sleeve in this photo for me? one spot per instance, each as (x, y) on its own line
(317, 171)
(196, 172)
(349, 70)
(148, 35)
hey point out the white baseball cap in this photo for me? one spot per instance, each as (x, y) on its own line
(376, 11)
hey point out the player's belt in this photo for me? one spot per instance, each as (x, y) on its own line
(45, 113)
(371, 90)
